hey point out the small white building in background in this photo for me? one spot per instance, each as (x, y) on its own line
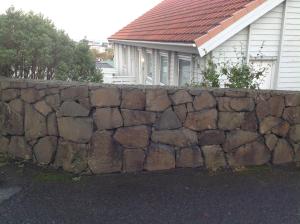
(171, 43)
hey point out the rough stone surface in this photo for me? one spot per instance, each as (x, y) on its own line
(4, 142)
(180, 138)
(168, 121)
(268, 124)
(294, 134)
(212, 137)
(157, 100)
(292, 115)
(74, 93)
(133, 99)
(250, 122)
(133, 160)
(71, 157)
(292, 100)
(136, 117)
(44, 150)
(106, 97)
(204, 101)
(238, 138)
(9, 94)
(11, 122)
(282, 129)
(105, 155)
(255, 153)
(214, 157)
(224, 104)
(283, 152)
(42, 107)
(230, 120)
(108, 118)
(181, 97)
(271, 141)
(160, 157)
(276, 105)
(262, 109)
(35, 123)
(133, 137)
(19, 149)
(52, 127)
(73, 109)
(53, 101)
(181, 112)
(242, 104)
(75, 129)
(31, 95)
(189, 157)
(17, 106)
(204, 120)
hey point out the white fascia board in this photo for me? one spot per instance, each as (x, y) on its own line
(238, 26)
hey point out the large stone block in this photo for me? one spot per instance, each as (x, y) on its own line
(133, 160)
(11, 121)
(19, 149)
(276, 105)
(204, 101)
(35, 123)
(204, 120)
(235, 139)
(17, 106)
(157, 100)
(74, 93)
(294, 133)
(108, 118)
(292, 115)
(230, 120)
(43, 108)
(106, 97)
(178, 138)
(105, 155)
(251, 154)
(268, 123)
(189, 157)
(282, 129)
(181, 112)
(75, 129)
(53, 101)
(160, 157)
(72, 109)
(71, 157)
(181, 97)
(271, 141)
(212, 137)
(214, 157)
(45, 149)
(224, 104)
(168, 121)
(4, 142)
(292, 100)
(133, 99)
(242, 104)
(32, 95)
(250, 122)
(9, 94)
(133, 137)
(283, 152)
(52, 127)
(136, 117)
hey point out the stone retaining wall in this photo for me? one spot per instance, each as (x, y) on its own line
(103, 129)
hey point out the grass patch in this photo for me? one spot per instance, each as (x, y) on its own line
(253, 169)
(53, 177)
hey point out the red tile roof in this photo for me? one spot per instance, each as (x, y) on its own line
(186, 20)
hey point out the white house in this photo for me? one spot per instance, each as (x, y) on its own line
(170, 44)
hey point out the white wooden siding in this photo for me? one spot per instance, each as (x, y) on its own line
(289, 68)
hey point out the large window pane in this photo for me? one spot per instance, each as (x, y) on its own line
(164, 70)
(149, 61)
(184, 72)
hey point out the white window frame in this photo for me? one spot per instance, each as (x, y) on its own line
(184, 58)
(164, 54)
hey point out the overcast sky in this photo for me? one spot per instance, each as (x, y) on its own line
(96, 19)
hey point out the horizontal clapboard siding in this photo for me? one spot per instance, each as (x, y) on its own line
(289, 68)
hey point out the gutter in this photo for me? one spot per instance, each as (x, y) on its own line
(154, 42)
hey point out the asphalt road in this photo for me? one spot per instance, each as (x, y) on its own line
(253, 196)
